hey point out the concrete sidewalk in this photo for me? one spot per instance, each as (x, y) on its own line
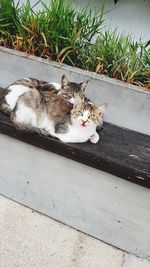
(30, 239)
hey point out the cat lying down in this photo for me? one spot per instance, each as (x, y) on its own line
(64, 113)
(72, 92)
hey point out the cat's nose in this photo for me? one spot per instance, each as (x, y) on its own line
(84, 122)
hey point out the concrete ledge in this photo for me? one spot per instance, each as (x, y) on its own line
(97, 203)
(88, 199)
(129, 106)
(120, 152)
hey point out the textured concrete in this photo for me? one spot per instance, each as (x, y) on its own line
(132, 261)
(97, 203)
(29, 239)
(129, 106)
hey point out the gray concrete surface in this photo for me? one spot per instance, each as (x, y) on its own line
(131, 261)
(128, 106)
(97, 203)
(30, 239)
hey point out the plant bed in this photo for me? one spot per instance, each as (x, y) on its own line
(60, 32)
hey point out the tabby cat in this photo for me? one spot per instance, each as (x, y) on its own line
(51, 114)
(60, 111)
(72, 92)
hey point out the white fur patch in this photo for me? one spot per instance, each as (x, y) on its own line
(26, 115)
(71, 100)
(16, 90)
(91, 103)
(85, 115)
(77, 134)
(46, 124)
(56, 85)
(27, 79)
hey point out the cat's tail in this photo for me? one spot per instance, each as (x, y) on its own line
(3, 105)
(10, 96)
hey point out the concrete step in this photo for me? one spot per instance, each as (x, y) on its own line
(92, 201)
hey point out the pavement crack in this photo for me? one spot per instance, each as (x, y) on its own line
(78, 250)
(124, 258)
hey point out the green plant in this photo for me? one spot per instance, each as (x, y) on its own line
(71, 32)
(9, 16)
(60, 32)
(119, 57)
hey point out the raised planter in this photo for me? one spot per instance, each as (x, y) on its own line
(120, 152)
(58, 180)
(129, 106)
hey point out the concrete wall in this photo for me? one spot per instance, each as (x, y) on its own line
(128, 16)
(97, 203)
(131, 17)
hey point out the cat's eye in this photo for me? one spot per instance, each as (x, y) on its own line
(70, 95)
(80, 113)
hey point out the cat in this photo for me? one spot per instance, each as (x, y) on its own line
(84, 119)
(47, 112)
(72, 92)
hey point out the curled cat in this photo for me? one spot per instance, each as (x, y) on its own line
(72, 92)
(48, 108)
(51, 114)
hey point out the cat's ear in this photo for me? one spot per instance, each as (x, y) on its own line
(83, 85)
(64, 81)
(102, 107)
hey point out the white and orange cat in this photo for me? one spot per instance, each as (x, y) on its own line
(84, 119)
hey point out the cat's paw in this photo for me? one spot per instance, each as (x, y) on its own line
(94, 138)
